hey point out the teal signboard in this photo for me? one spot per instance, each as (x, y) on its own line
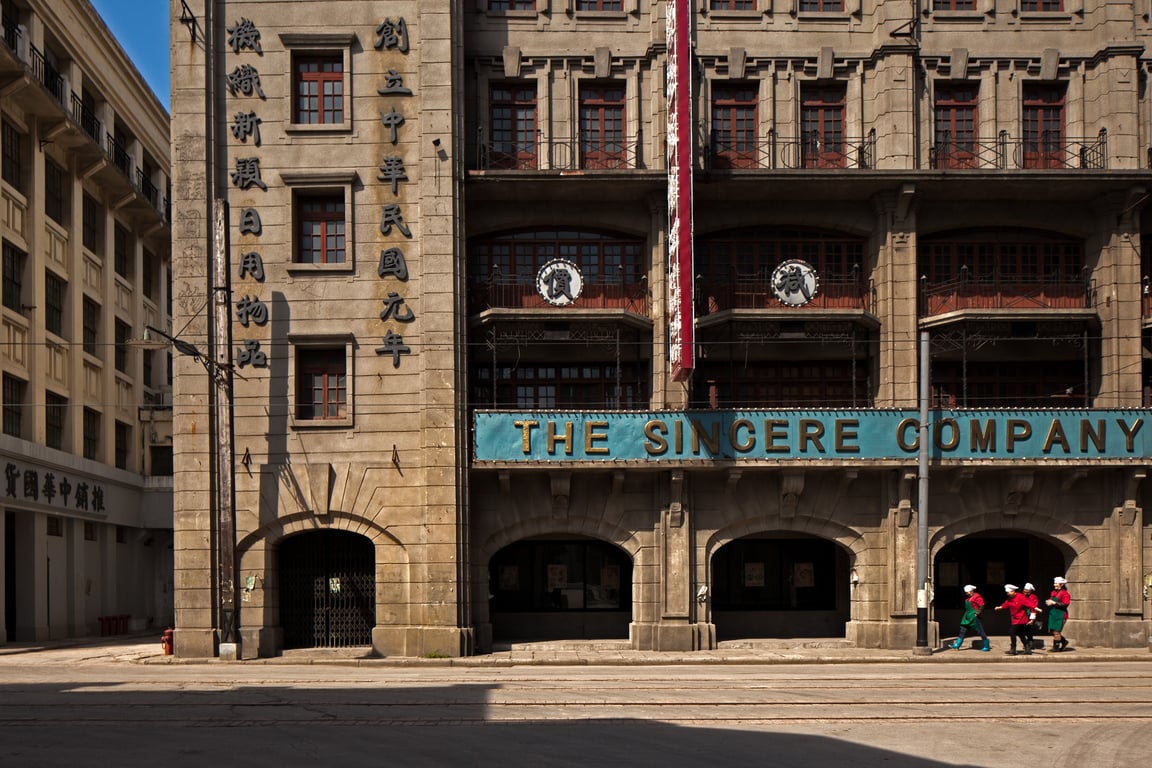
(815, 435)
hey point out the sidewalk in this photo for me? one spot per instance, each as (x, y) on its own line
(145, 648)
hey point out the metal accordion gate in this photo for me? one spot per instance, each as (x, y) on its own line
(327, 590)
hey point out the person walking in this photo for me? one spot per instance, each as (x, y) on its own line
(1057, 604)
(973, 606)
(1033, 601)
(1018, 615)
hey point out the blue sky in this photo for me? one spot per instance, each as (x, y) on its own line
(141, 27)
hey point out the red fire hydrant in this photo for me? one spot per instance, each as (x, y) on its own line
(166, 641)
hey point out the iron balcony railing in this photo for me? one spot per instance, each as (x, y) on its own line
(11, 33)
(86, 118)
(1006, 292)
(561, 153)
(519, 292)
(1050, 150)
(118, 155)
(148, 190)
(755, 291)
(812, 149)
(46, 74)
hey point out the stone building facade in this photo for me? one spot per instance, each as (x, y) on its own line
(86, 449)
(549, 324)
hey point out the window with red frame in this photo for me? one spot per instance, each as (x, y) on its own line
(733, 5)
(320, 229)
(602, 126)
(821, 6)
(321, 383)
(579, 385)
(822, 126)
(513, 121)
(320, 89)
(955, 125)
(781, 384)
(511, 5)
(1003, 257)
(599, 5)
(1041, 5)
(955, 5)
(734, 126)
(1044, 143)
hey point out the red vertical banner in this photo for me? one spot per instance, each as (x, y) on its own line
(681, 320)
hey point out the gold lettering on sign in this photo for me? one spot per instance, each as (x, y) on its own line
(554, 438)
(1056, 436)
(711, 440)
(655, 444)
(742, 446)
(954, 440)
(1018, 430)
(845, 432)
(982, 439)
(526, 428)
(1095, 435)
(902, 434)
(591, 436)
(811, 431)
(774, 430)
(1130, 432)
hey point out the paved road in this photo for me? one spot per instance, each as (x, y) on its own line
(117, 707)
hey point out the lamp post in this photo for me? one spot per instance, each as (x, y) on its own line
(218, 364)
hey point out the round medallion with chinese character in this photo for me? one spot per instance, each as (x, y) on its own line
(795, 282)
(559, 282)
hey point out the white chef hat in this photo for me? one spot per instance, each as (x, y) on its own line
(969, 588)
(1028, 586)
(1059, 580)
(1010, 588)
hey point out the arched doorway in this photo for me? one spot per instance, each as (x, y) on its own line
(560, 589)
(989, 560)
(327, 590)
(780, 585)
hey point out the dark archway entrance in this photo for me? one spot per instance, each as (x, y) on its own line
(10, 575)
(327, 590)
(989, 560)
(560, 589)
(780, 585)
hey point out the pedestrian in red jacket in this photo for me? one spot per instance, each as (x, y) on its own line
(1018, 614)
(1057, 604)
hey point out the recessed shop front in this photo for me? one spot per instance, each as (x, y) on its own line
(989, 560)
(560, 589)
(778, 586)
(327, 590)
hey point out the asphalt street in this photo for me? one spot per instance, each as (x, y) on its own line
(124, 704)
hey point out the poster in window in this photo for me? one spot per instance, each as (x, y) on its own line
(510, 578)
(948, 574)
(753, 574)
(557, 576)
(610, 577)
(803, 575)
(995, 572)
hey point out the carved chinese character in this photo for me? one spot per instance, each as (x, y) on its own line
(244, 34)
(392, 216)
(250, 222)
(394, 85)
(247, 173)
(31, 484)
(11, 474)
(396, 309)
(245, 80)
(98, 498)
(392, 120)
(251, 264)
(392, 169)
(392, 263)
(251, 355)
(245, 125)
(49, 488)
(82, 496)
(392, 34)
(394, 345)
(251, 309)
(65, 489)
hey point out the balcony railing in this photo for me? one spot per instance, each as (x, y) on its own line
(520, 293)
(811, 149)
(1049, 151)
(11, 33)
(756, 292)
(561, 153)
(119, 156)
(86, 118)
(148, 190)
(1006, 292)
(46, 74)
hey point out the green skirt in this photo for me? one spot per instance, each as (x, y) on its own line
(1056, 620)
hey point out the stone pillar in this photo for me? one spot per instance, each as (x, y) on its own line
(674, 539)
(902, 545)
(1127, 566)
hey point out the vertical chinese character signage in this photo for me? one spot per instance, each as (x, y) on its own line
(244, 81)
(679, 130)
(392, 35)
